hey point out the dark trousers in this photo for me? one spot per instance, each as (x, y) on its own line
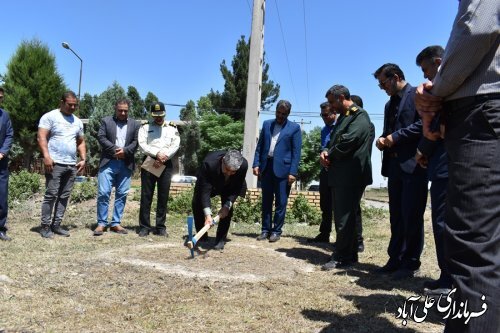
(438, 204)
(58, 186)
(199, 218)
(277, 189)
(148, 184)
(472, 234)
(345, 207)
(4, 193)
(407, 201)
(325, 203)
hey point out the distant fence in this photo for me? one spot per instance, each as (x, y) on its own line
(311, 196)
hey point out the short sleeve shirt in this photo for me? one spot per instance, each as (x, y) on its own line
(64, 130)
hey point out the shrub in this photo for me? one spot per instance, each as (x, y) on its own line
(22, 185)
(372, 213)
(303, 211)
(246, 211)
(84, 191)
(181, 203)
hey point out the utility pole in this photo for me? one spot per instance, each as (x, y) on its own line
(302, 122)
(254, 88)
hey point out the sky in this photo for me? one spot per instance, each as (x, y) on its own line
(174, 48)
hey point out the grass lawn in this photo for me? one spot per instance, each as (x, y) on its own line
(123, 283)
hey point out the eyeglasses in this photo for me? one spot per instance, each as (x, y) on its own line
(324, 115)
(382, 84)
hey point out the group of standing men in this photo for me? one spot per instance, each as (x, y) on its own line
(60, 137)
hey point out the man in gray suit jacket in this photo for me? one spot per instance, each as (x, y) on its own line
(118, 139)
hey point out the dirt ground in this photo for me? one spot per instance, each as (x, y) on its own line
(123, 283)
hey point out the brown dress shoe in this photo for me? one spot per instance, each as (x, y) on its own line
(99, 230)
(119, 229)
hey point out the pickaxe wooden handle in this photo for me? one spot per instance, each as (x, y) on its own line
(200, 233)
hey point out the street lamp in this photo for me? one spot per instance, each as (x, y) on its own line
(66, 46)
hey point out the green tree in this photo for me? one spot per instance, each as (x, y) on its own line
(232, 100)
(219, 132)
(205, 106)
(137, 110)
(309, 166)
(86, 106)
(104, 106)
(33, 87)
(190, 138)
(150, 98)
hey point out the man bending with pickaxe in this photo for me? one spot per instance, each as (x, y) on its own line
(221, 173)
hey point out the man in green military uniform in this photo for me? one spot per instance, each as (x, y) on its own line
(348, 159)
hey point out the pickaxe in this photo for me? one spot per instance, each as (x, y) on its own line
(192, 240)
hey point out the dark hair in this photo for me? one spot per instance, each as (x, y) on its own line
(286, 104)
(389, 70)
(122, 100)
(430, 52)
(67, 94)
(324, 105)
(1, 89)
(356, 99)
(338, 90)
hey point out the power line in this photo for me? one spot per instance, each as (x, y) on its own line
(307, 62)
(286, 52)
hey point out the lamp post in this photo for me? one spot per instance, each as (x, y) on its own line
(66, 46)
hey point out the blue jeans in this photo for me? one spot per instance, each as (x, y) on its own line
(114, 174)
(59, 184)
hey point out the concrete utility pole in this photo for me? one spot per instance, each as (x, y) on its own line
(254, 87)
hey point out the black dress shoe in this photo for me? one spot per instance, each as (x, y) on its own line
(404, 273)
(60, 231)
(388, 268)
(334, 264)
(4, 237)
(143, 232)
(219, 245)
(263, 236)
(161, 232)
(320, 238)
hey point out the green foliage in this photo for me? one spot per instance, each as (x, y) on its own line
(32, 87)
(84, 191)
(190, 139)
(232, 100)
(22, 185)
(137, 107)
(303, 211)
(86, 106)
(219, 132)
(150, 98)
(309, 166)
(372, 213)
(246, 211)
(181, 203)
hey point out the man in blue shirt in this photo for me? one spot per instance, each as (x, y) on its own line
(329, 117)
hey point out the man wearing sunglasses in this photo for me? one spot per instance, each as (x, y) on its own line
(407, 181)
